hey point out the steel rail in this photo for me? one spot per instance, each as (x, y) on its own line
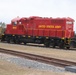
(43, 59)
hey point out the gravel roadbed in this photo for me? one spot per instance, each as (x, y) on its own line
(18, 66)
(30, 63)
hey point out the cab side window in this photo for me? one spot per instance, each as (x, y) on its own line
(14, 23)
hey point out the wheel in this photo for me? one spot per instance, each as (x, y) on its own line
(46, 43)
(61, 45)
(17, 42)
(14, 41)
(72, 44)
(53, 44)
(8, 40)
(67, 47)
(24, 43)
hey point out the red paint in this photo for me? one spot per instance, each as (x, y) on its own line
(41, 26)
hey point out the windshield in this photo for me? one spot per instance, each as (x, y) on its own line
(69, 22)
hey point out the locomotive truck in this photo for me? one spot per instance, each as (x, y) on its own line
(41, 30)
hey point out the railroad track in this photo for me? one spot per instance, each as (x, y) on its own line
(43, 59)
(42, 46)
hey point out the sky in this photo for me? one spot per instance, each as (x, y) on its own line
(10, 9)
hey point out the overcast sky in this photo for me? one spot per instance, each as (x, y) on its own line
(10, 9)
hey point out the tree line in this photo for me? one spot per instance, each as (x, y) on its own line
(2, 24)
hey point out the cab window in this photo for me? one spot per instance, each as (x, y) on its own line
(14, 23)
(69, 22)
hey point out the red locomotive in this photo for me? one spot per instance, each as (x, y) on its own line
(42, 30)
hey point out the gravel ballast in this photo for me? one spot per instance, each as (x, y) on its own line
(30, 63)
